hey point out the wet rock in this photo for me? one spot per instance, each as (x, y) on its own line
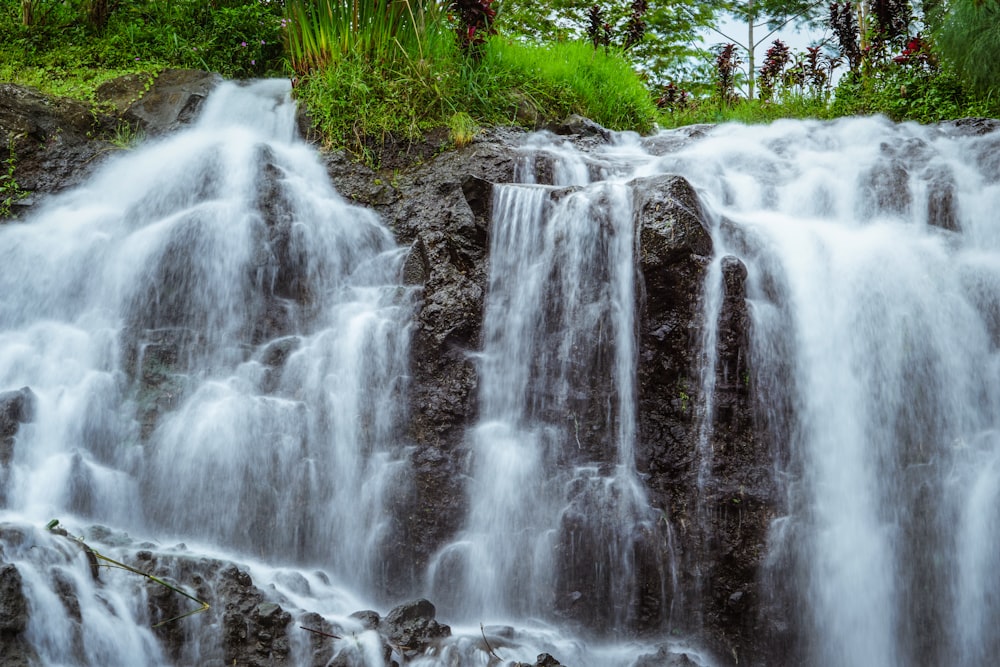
(975, 127)
(941, 206)
(13, 604)
(14, 649)
(16, 408)
(412, 628)
(582, 127)
(885, 190)
(444, 218)
(664, 657)
(370, 620)
(173, 99)
(53, 143)
(543, 660)
(254, 629)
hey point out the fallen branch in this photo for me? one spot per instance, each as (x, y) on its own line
(489, 649)
(320, 632)
(93, 556)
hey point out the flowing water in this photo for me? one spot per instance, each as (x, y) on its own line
(873, 274)
(218, 347)
(556, 511)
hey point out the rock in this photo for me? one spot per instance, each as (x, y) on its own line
(580, 126)
(370, 620)
(664, 657)
(254, 630)
(444, 218)
(16, 408)
(411, 627)
(15, 651)
(13, 604)
(53, 143)
(941, 206)
(172, 100)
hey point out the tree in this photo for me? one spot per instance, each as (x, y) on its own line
(673, 28)
(772, 15)
(969, 40)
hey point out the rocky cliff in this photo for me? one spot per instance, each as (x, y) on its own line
(438, 204)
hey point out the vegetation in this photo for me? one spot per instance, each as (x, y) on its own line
(376, 71)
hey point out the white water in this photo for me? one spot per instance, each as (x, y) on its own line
(879, 333)
(555, 512)
(160, 264)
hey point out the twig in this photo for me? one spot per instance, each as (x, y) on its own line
(93, 555)
(489, 649)
(320, 632)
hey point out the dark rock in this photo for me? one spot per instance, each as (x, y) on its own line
(941, 206)
(172, 100)
(445, 219)
(15, 650)
(13, 604)
(971, 127)
(53, 143)
(719, 521)
(16, 408)
(370, 620)
(254, 629)
(580, 126)
(123, 92)
(411, 627)
(664, 657)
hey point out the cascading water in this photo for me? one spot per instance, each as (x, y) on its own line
(217, 346)
(556, 508)
(873, 274)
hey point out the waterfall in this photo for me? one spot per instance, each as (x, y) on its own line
(556, 508)
(873, 268)
(218, 348)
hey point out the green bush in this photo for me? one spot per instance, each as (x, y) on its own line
(906, 93)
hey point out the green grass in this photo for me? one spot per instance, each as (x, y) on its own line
(563, 78)
(748, 112)
(360, 99)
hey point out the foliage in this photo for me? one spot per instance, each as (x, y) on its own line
(668, 49)
(900, 75)
(908, 93)
(766, 14)
(236, 39)
(747, 111)
(474, 23)
(772, 73)
(511, 82)
(969, 41)
(321, 33)
(727, 63)
(844, 23)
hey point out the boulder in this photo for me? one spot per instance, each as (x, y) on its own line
(172, 100)
(411, 627)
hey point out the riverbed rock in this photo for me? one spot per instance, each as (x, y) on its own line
(14, 610)
(411, 627)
